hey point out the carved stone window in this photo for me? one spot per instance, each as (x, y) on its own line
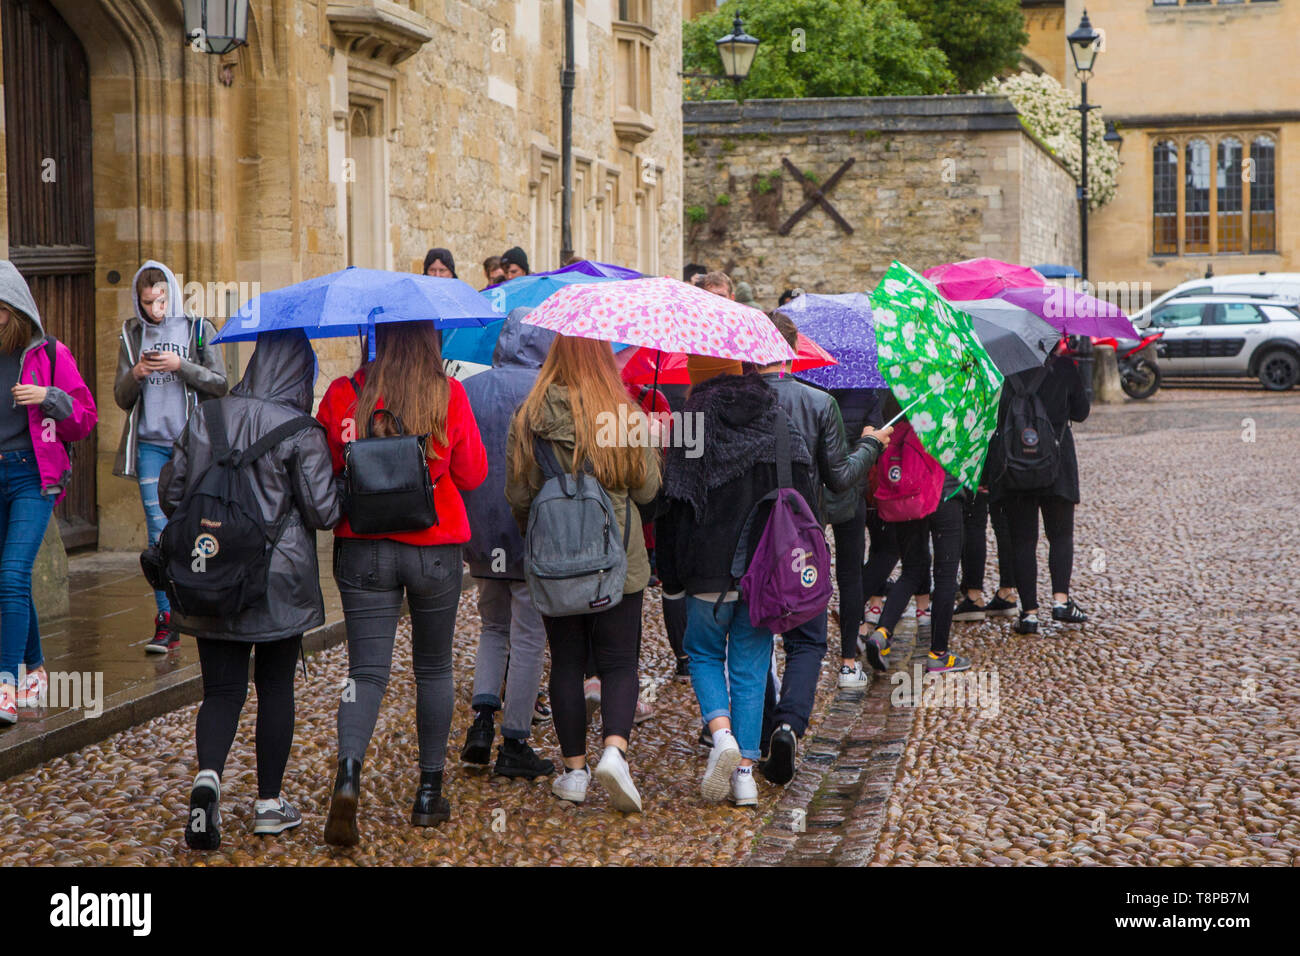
(634, 64)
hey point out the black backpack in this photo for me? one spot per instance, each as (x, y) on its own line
(1030, 449)
(216, 549)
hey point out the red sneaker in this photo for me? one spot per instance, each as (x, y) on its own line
(164, 638)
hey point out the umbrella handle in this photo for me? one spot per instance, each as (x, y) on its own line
(890, 423)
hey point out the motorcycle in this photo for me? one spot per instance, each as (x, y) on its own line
(1139, 375)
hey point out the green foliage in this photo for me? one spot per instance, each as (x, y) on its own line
(723, 200)
(812, 177)
(980, 38)
(818, 48)
(767, 182)
(696, 214)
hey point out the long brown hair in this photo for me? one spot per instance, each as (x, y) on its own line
(17, 332)
(587, 368)
(407, 373)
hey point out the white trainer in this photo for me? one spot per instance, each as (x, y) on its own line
(614, 776)
(572, 785)
(854, 676)
(744, 791)
(723, 759)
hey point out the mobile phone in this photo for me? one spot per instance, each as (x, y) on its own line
(151, 354)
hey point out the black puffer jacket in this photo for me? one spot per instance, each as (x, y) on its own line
(296, 478)
(837, 463)
(1065, 399)
(709, 498)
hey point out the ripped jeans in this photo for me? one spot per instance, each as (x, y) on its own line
(149, 463)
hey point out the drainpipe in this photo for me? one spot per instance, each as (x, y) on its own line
(566, 137)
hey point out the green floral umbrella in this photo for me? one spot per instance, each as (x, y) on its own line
(938, 370)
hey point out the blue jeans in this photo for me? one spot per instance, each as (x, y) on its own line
(729, 646)
(149, 463)
(24, 516)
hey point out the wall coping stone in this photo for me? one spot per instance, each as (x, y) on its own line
(963, 112)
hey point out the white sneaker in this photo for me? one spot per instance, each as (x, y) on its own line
(644, 711)
(744, 791)
(572, 785)
(854, 676)
(613, 774)
(723, 758)
(591, 691)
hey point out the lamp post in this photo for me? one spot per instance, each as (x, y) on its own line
(216, 26)
(1084, 43)
(736, 50)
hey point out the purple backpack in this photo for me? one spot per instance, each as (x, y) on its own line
(788, 581)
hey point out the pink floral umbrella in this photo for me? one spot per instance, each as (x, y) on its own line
(980, 278)
(666, 314)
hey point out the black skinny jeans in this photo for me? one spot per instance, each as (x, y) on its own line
(1022, 523)
(882, 558)
(974, 552)
(945, 528)
(225, 688)
(850, 543)
(614, 635)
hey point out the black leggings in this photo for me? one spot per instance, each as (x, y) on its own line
(882, 557)
(850, 542)
(614, 635)
(974, 552)
(1022, 523)
(945, 527)
(225, 688)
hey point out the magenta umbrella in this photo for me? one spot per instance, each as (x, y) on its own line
(981, 278)
(1074, 313)
(666, 314)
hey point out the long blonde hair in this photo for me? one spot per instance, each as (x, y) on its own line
(586, 367)
(407, 373)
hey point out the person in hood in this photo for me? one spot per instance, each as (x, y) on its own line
(709, 499)
(438, 262)
(164, 370)
(515, 263)
(49, 406)
(512, 628)
(374, 572)
(577, 389)
(293, 481)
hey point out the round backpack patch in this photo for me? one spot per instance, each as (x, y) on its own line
(808, 576)
(1030, 437)
(206, 545)
(896, 474)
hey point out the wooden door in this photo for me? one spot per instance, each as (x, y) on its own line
(51, 212)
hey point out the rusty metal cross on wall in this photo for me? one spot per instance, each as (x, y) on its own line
(816, 196)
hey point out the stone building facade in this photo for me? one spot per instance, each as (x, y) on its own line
(923, 180)
(346, 132)
(1204, 94)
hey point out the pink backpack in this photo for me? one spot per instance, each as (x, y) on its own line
(909, 482)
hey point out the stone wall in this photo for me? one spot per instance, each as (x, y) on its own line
(931, 180)
(405, 125)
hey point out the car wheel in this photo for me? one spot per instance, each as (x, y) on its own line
(1278, 371)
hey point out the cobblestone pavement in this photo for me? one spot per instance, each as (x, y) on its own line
(1164, 731)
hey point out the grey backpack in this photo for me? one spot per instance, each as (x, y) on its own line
(573, 560)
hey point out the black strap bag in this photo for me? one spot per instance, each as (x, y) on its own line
(387, 487)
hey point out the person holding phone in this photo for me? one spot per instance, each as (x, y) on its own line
(164, 369)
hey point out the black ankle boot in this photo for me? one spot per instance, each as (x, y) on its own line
(341, 826)
(430, 808)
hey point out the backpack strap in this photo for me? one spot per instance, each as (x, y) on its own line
(215, 416)
(1031, 387)
(272, 438)
(784, 467)
(52, 353)
(545, 457)
(785, 479)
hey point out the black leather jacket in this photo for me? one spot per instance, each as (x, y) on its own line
(837, 464)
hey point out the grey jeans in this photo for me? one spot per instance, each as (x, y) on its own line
(512, 632)
(372, 575)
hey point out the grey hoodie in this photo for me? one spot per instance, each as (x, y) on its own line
(495, 549)
(202, 371)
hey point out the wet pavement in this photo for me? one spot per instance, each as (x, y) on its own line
(1164, 731)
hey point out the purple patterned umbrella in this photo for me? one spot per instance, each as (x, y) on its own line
(842, 325)
(1074, 313)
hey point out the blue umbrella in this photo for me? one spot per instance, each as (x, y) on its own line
(352, 300)
(1050, 271)
(842, 325)
(477, 344)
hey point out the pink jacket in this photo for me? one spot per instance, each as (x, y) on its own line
(69, 408)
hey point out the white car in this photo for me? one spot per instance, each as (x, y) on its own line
(1230, 335)
(1280, 284)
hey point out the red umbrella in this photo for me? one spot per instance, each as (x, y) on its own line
(981, 278)
(644, 366)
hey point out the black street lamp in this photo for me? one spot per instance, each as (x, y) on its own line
(1113, 137)
(1084, 47)
(737, 50)
(216, 26)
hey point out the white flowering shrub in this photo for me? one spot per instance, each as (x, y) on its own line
(1047, 110)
